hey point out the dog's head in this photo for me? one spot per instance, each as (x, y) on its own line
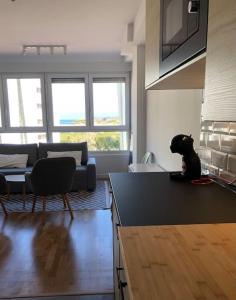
(182, 144)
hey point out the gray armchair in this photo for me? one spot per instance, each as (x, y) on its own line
(85, 175)
(52, 176)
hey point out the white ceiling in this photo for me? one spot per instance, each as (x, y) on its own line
(85, 26)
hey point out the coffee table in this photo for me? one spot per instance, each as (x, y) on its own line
(16, 178)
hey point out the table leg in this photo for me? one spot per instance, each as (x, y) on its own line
(8, 191)
(23, 194)
(34, 202)
(3, 207)
(44, 202)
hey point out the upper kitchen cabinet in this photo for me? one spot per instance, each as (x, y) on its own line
(176, 34)
(220, 85)
(152, 41)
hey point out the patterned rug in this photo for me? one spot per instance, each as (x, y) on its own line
(99, 199)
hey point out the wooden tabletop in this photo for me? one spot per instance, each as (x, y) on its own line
(184, 262)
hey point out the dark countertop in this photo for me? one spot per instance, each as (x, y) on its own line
(154, 199)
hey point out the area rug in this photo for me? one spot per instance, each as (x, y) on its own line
(99, 199)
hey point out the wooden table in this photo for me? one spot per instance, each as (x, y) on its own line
(185, 262)
(16, 178)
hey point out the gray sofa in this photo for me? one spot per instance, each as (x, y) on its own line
(85, 176)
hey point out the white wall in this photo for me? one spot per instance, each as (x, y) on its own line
(63, 64)
(110, 162)
(170, 113)
(138, 104)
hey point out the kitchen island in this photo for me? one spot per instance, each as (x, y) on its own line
(145, 199)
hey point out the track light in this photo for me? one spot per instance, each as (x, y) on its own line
(44, 49)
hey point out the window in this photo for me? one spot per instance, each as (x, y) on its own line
(97, 141)
(23, 138)
(109, 101)
(68, 101)
(66, 108)
(25, 102)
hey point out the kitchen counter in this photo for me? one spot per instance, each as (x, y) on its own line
(154, 199)
(153, 262)
(179, 262)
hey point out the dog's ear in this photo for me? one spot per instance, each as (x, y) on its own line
(191, 137)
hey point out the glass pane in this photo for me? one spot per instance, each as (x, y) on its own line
(68, 100)
(25, 102)
(109, 103)
(23, 138)
(97, 141)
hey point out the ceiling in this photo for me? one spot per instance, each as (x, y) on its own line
(85, 26)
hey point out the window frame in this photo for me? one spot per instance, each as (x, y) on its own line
(47, 105)
(2, 107)
(126, 126)
(21, 129)
(50, 119)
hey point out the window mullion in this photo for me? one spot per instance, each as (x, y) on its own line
(6, 103)
(90, 102)
(48, 107)
(3, 127)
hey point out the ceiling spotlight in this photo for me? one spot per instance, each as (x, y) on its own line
(44, 49)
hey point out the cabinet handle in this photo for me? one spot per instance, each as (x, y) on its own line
(117, 225)
(118, 269)
(118, 275)
(122, 286)
(193, 7)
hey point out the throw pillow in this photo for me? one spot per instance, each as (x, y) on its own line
(13, 160)
(76, 154)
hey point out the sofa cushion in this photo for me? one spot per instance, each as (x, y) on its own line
(13, 160)
(75, 154)
(57, 147)
(15, 171)
(30, 149)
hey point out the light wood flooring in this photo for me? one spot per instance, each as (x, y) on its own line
(78, 297)
(42, 255)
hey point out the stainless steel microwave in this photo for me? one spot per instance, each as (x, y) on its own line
(183, 32)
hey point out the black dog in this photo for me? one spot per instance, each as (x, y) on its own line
(191, 165)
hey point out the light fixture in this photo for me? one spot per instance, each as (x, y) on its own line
(44, 49)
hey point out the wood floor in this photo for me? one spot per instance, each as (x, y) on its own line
(50, 255)
(78, 297)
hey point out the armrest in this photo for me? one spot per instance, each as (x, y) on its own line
(91, 174)
(27, 175)
(3, 184)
